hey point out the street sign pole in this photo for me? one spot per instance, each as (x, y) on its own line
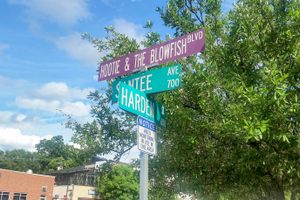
(135, 100)
(144, 176)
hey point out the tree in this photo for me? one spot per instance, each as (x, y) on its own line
(238, 133)
(55, 153)
(50, 155)
(233, 128)
(54, 147)
(112, 130)
(119, 182)
(19, 160)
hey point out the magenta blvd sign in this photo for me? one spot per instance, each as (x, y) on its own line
(158, 54)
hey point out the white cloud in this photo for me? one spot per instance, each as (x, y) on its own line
(38, 104)
(77, 109)
(51, 98)
(29, 112)
(35, 123)
(12, 138)
(54, 89)
(33, 110)
(66, 12)
(8, 116)
(5, 116)
(79, 49)
(20, 117)
(60, 90)
(57, 96)
(130, 29)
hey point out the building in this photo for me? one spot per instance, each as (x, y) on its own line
(16, 185)
(76, 183)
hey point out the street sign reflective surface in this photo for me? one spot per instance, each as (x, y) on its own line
(137, 102)
(151, 81)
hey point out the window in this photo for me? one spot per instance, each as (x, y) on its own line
(20, 196)
(44, 189)
(43, 197)
(91, 179)
(4, 195)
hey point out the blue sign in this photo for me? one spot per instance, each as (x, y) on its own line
(146, 123)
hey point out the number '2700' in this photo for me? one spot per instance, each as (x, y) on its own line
(173, 83)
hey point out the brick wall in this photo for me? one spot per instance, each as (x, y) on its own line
(31, 184)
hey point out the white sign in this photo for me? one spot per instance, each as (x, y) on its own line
(92, 192)
(146, 136)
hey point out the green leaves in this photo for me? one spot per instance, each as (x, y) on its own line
(53, 153)
(233, 127)
(255, 129)
(119, 182)
(111, 131)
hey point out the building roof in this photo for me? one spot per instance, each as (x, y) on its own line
(27, 173)
(84, 168)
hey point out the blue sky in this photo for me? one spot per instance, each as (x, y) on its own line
(45, 66)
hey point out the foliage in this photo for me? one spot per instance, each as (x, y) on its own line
(50, 155)
(112, 130)
(233, 128)
(55, 153)
(19, 160)
(51, 148)
(238, 133)
(119, 182)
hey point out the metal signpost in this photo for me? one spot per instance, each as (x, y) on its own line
(144, 176)
(146, 142)
(152, 81)
(150, 57)
(131, 92)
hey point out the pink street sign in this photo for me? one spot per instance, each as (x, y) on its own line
(171, 50)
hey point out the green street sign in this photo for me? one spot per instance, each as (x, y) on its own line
(137, 102)
(152, 81)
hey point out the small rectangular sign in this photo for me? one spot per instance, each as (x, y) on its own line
(137, 102)
(146, 136)
(152, 56)
(92, 192)
(151, 81)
